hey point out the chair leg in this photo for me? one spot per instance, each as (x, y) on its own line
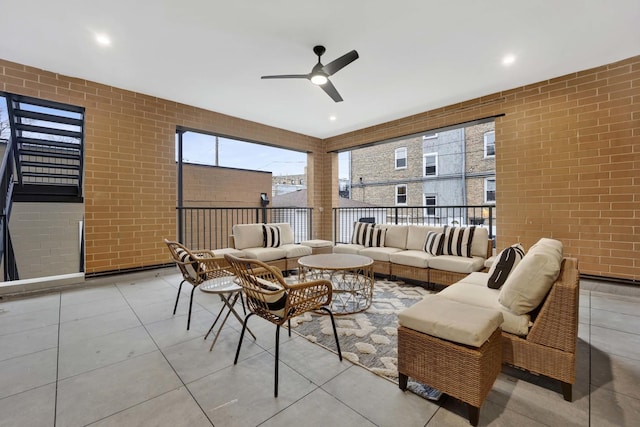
(335, 332)
(402, 381)
(244, 328)
(289, 326)
(474, 415)
(567, 391)
(175, 307)
(275, 390)
(190, 305)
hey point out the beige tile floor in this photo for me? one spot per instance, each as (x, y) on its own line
(112, 354)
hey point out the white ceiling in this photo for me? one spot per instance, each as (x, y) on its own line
(414, 55)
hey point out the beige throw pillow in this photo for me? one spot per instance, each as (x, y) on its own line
(532, 278)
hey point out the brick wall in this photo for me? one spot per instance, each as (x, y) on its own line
(567, 162)
(130, 170)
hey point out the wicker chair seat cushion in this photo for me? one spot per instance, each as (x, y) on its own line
(379, 254)
(412, 258)
(451, 320)
(347, 248)
(294, 251)
(265, 254)
(473, 290)
(457, 264)
(530, 281)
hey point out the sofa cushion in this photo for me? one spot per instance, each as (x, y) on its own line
(247, 236)
(375, 237)
(411, 258)
(473, 290)
(347, 248)
(530, 281)
(265, 254)
(379, 254)
(294, 251)
(286, 233)
(417, 234)
(433, 243)
(505, 263)
(479, 244)
(360, 230)
(456, 264)
(395, 236)
(231, 251)
(451, 320)
(457, 241)
(270, 236)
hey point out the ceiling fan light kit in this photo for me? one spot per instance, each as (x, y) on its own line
(320, 74)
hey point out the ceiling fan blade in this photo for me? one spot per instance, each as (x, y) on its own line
(331, 90)
(338, 64)
(287, 76)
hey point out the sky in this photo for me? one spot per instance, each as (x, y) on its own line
(200, 148)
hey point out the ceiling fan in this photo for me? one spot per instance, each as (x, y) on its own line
(319, 75)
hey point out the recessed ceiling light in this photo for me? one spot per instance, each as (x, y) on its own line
(332, 118)
(103, 39)
(508, 60)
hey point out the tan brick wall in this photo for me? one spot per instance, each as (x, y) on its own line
(130, 184)
(567, 162)
(211, 186)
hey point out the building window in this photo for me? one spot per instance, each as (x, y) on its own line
(490, 144)
(490, 190)
(430, 164)
(430, 203)
(401, 158)
(401, 194)
(430, 136)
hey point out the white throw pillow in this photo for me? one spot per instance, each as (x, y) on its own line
(505, 263)
(531, 280)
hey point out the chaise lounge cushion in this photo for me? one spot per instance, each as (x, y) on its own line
(530, 281)
(265, 254)
(347, 248)
(437, 316)
(473, 290)
(294, 251)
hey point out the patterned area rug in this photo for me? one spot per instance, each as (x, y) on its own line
(369, 338)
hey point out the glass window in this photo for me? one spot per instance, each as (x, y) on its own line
(401, 194)
(431, 164)
(490, 190)
(430, 136)
(430, 200)
(490, 144)
(401, 158)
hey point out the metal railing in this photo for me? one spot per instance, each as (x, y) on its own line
(344, 218)
(7, 182)
(210, 228)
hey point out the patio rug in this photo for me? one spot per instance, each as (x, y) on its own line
(369, 338)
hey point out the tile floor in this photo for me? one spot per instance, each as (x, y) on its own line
(112, 354)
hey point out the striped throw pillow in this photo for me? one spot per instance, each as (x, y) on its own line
(271, 236)
(504, 264)
(375, 237)
(433, 244)
(457, 241)
(189, 262)
(360, 230)
(275, 301)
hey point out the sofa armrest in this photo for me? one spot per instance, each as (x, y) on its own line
(231, 241)
(556, 325)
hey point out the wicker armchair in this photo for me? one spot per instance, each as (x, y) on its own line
(271, 298)
(196, 267)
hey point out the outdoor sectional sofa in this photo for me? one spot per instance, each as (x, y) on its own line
(270, 243)
(400, 251)
(538, 301)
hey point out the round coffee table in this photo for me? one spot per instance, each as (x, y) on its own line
(350, 275)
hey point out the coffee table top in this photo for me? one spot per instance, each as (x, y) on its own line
(335, 261)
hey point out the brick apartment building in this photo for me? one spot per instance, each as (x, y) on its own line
(454, 167)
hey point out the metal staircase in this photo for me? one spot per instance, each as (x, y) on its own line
(42, 162)
(49, 139)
